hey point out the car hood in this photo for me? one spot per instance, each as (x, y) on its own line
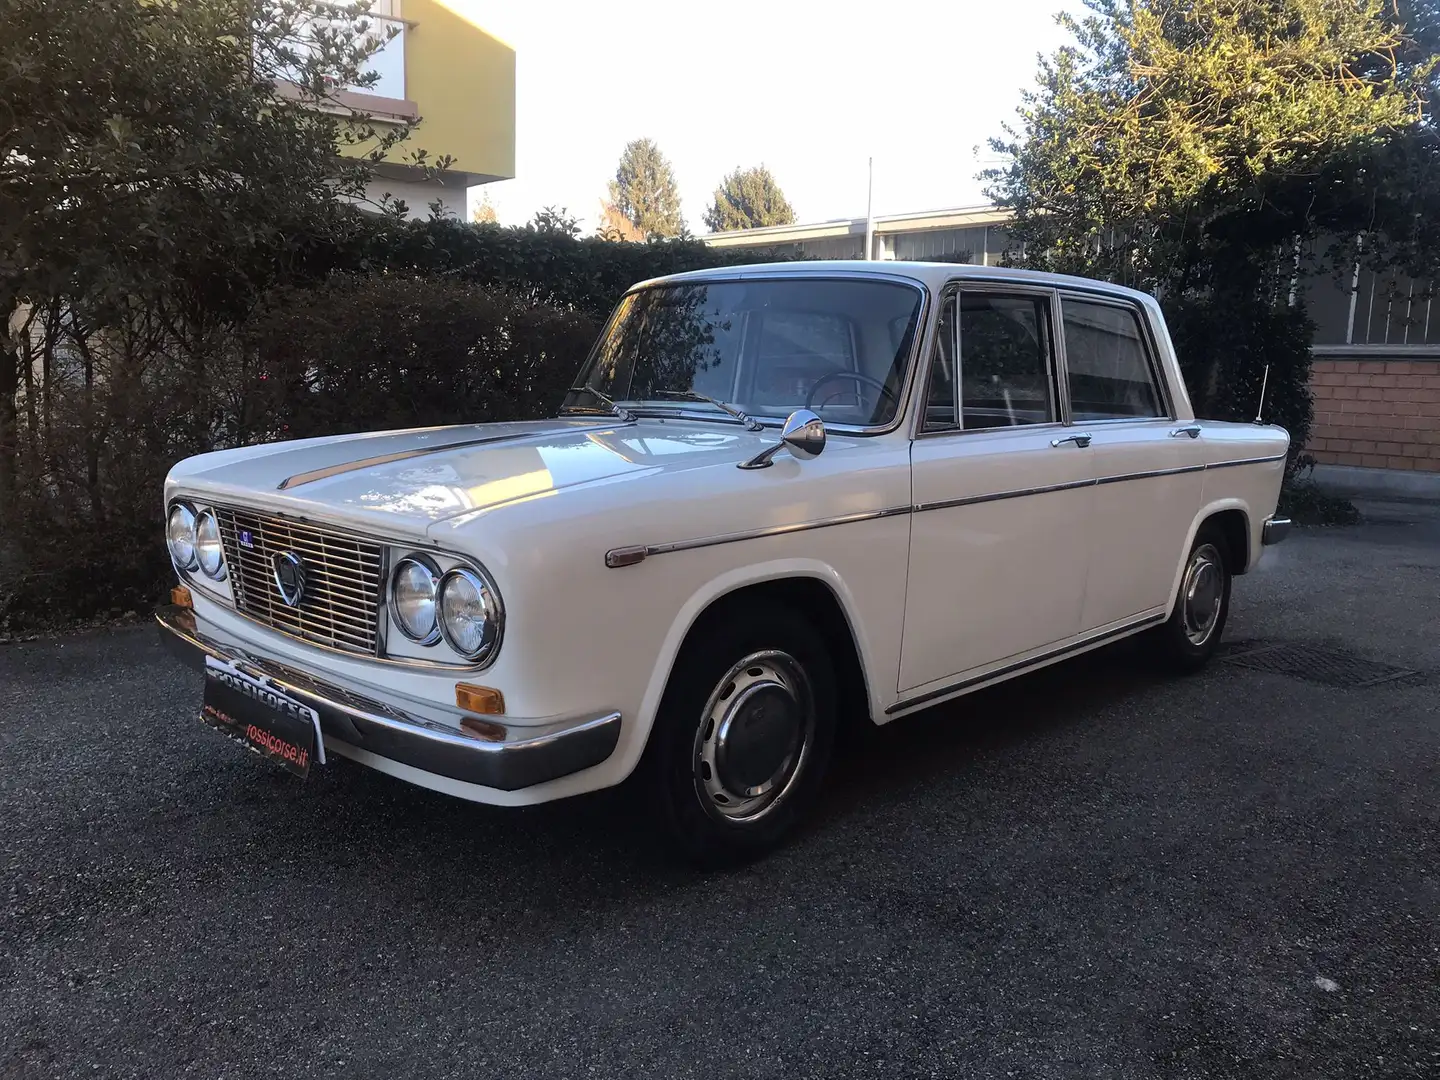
(404, 482)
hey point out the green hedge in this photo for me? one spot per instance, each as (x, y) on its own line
(414, 324)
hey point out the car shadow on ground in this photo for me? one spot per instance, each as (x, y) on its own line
(449, 850)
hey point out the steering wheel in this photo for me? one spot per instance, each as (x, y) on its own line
(854, 376)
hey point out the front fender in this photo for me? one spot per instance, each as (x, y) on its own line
(722, 585)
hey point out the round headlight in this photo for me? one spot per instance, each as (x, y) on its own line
(471, 617)
(208, 552)
(180, 536)
(413, 593)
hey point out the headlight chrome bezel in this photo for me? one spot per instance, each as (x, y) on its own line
(432, 637)
(220, 571)
(192, 563)
(494, 609)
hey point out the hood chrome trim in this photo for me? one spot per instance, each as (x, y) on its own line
(385, 459)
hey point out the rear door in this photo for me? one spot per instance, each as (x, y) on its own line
(1001, 491)
(1149, 469)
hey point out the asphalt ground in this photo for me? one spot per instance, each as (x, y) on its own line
(1089, 872)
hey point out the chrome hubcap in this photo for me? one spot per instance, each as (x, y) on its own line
(1201, 593)
(754, 737)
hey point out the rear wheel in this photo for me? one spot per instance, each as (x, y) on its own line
(743, 734)
(1191, 635)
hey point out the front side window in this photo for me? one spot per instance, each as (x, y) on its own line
(1004, 361)
(766, 347)
(1110, 377)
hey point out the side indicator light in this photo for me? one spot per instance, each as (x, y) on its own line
(479, 699)
(180, 596)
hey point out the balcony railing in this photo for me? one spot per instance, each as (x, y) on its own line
(385, 34)
(388, 60)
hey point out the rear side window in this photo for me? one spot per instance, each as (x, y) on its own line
(1110, 377)
(1004, 361)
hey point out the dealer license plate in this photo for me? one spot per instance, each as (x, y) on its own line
(268, 721)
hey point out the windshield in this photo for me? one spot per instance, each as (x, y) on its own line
(765, 347)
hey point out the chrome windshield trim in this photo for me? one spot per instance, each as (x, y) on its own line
(910, 363)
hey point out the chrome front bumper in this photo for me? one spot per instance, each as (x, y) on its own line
(1276, 529)
(516, 757)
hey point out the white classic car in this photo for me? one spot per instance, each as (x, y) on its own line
(778, 498)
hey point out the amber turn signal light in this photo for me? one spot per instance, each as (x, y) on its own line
(479, 699)
(180, 596)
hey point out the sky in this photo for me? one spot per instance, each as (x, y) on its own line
(810, 89)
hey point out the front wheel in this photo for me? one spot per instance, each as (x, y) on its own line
(743, 734)
(1191, 635)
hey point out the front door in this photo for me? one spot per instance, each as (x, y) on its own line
(1002, 493)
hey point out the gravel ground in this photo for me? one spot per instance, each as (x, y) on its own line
(1088, 872)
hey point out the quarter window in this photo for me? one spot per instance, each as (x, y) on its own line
(940, 401)
(1004, 361)
(1110, 377)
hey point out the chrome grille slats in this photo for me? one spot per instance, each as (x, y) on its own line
(343, 579)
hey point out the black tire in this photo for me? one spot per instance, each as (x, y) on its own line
(682, 773)
(1187, 641)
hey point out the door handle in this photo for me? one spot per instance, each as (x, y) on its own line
(1193, 430)
(1081, 439)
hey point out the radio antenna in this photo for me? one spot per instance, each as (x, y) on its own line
(1260, 408)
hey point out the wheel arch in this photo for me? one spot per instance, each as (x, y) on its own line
(814, 588)
(1234, 519)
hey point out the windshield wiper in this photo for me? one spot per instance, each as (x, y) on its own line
(604, 399)
(750, 423)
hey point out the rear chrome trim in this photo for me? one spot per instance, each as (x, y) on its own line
(1021, 665)
(521, 756)
(1275, 530)
(1122, 477)
(1246, 461)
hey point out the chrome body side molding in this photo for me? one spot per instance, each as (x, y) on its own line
(1022, 665)
(637, 553)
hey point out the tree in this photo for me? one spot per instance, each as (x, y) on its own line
(748, 199)
(485, 213)
(1199, 148)
(615, 226)
(163, 166)
(555, 220)
(644, 190)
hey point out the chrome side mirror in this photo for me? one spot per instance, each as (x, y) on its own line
(803, 435)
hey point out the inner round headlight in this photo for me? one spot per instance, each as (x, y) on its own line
(180, 536)
(413, 591)
(471, 617)
(208, 552)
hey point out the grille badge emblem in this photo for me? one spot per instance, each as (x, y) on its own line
(290, 578)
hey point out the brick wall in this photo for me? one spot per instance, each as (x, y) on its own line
(1381, 413)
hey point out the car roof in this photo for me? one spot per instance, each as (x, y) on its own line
(932, 274)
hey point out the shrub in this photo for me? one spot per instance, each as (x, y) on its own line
(1224, 343)
(357, 353)
(365, 353)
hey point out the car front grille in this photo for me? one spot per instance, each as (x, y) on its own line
(343, 577)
